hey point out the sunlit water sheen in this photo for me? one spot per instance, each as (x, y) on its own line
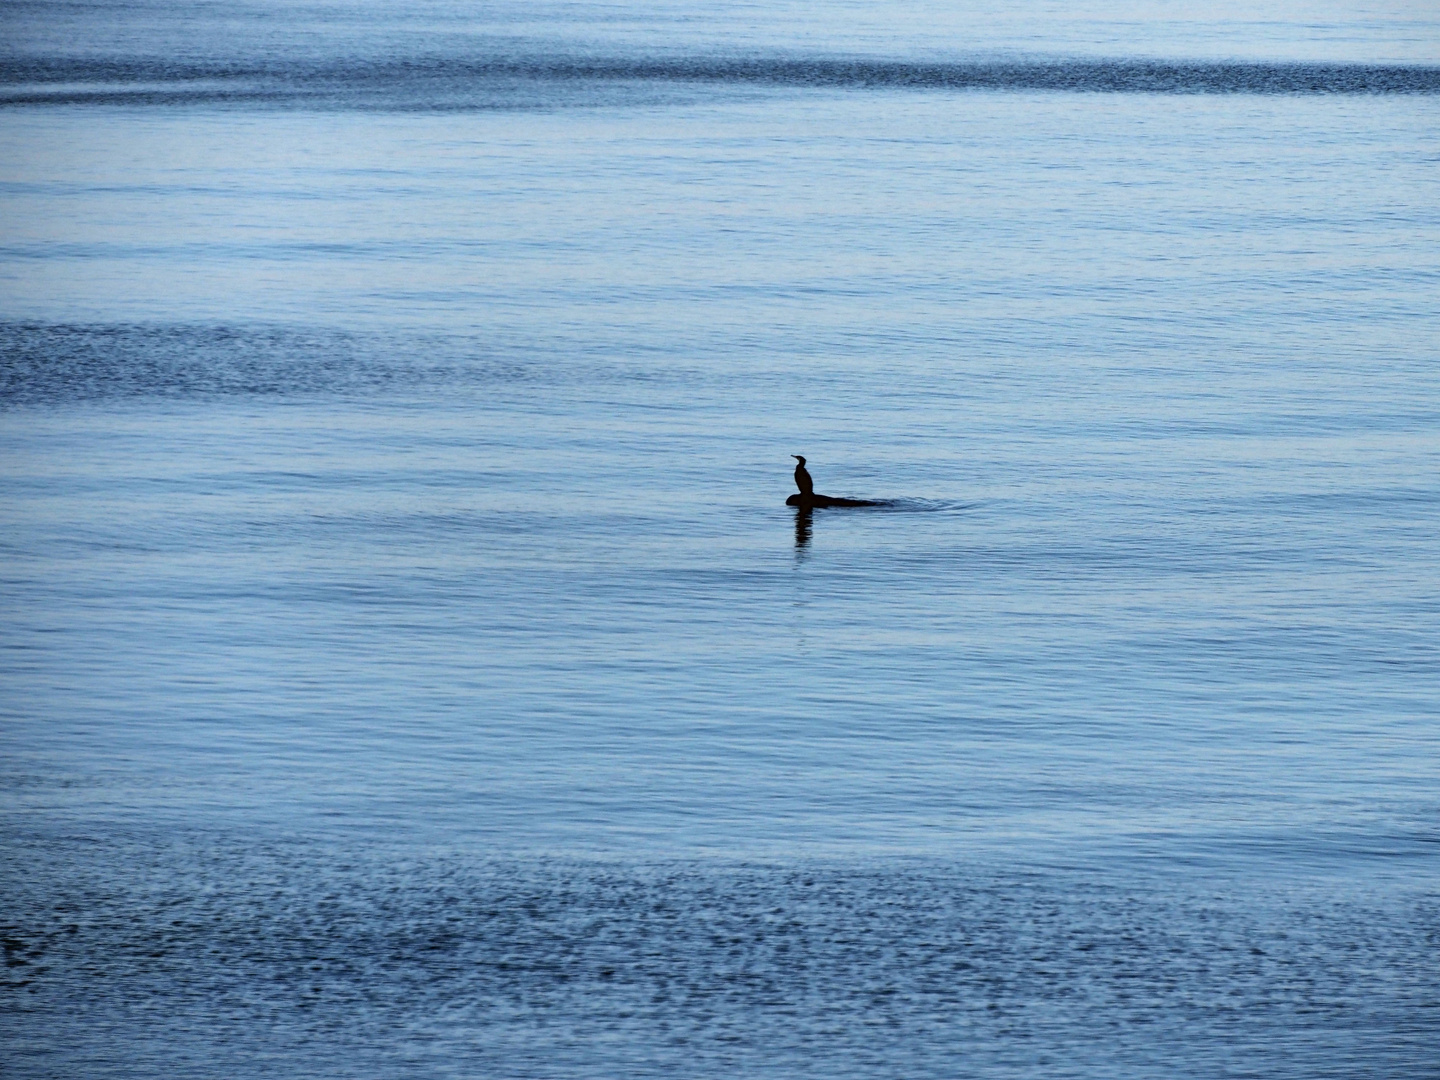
(410, 666)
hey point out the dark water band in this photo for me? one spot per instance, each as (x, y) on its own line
(54, 79)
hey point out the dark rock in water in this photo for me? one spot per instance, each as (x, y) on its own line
(810, 502)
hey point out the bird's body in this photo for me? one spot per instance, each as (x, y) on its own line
(802, 477)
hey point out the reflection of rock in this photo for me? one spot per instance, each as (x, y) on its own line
(810, 502)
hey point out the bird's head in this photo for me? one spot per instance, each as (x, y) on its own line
(798, 458)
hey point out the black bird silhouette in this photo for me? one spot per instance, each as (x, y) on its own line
(808, 500)
(802, 477)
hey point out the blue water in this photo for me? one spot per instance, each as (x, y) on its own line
(408, 663)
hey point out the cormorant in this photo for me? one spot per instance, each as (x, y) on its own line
(807, 500)
(802, 477)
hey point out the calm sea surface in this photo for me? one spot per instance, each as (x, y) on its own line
(409, 666)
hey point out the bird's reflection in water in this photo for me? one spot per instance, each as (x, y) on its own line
(803, 518)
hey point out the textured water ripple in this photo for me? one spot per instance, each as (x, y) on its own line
(495, 81)
(537, 968)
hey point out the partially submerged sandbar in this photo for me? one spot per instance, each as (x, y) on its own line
(810, 502)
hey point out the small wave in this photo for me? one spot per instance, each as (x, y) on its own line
(43, 364)
(928, 506)
(502, 81)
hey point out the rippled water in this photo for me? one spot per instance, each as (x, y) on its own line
(411, 667)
